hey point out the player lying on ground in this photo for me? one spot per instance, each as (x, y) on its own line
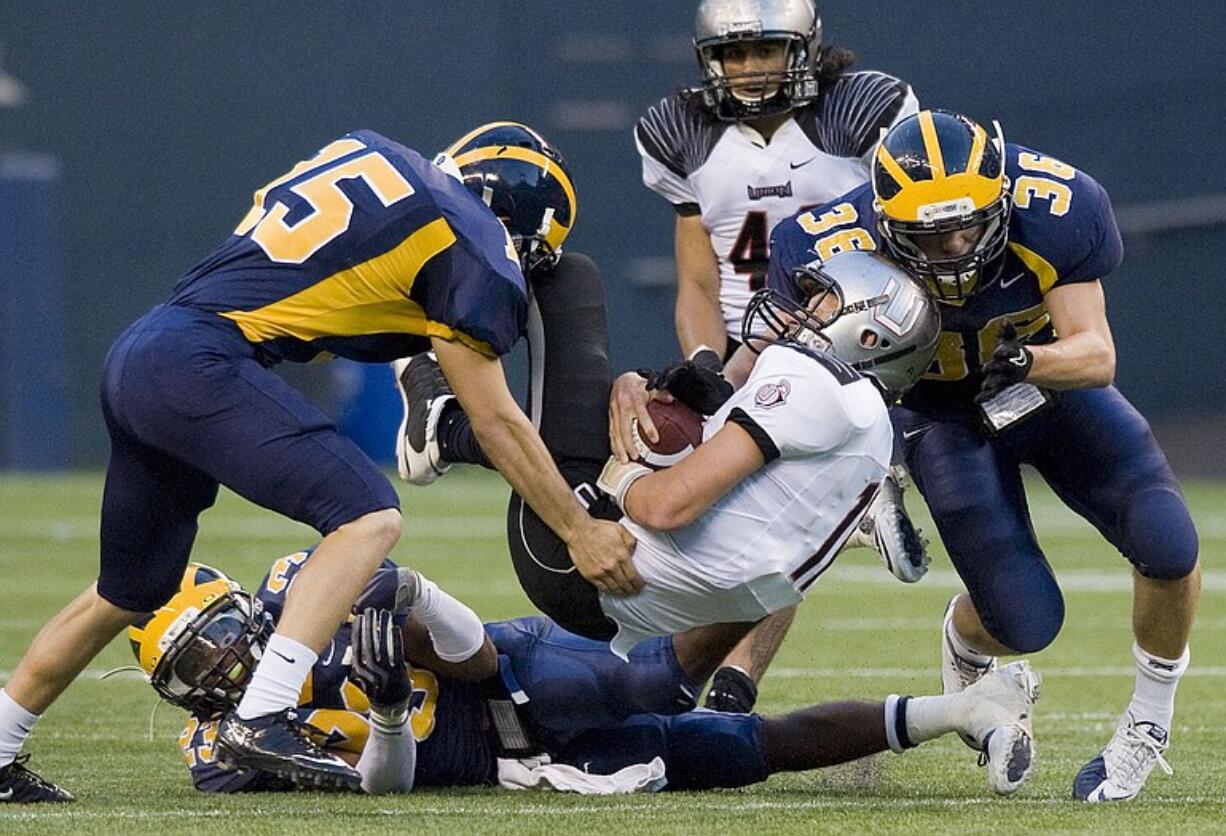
(1015, 245)
(446, 701)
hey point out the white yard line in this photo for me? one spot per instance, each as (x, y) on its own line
(1214, 671)
(614, 806)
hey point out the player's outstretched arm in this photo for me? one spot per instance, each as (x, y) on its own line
(600, 550)
(699, 318)
(676, 496)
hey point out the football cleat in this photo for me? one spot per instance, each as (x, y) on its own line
(957, 672)
(20, 785)
(900, 544)
(423, 392)
(280, 745)
(1120, 770)
(999, 719)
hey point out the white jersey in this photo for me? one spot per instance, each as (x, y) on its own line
(825, 433)
(743, 186)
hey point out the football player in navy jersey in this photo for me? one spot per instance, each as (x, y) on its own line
(1015, 244)
(366, 251)
(780, 121)
(417, 693)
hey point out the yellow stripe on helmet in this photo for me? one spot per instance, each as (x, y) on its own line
(978, 146)
(932, 145)
(887, 161)
(477, 131)
(557, 231)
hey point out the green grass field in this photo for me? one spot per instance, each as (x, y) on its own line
(861, 634)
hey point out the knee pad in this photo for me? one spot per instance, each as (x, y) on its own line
(1027, 620)
(710, 749)
(143, 598)
(1161, 539)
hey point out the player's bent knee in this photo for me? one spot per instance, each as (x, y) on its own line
(1028, 626)
(708, 750)
(120, 596)
(381, 529)
(1161, 538)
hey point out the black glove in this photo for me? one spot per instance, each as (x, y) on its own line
(702, 389)
(708, 359)
(1010, 364)
(378, 659)
(732, 691)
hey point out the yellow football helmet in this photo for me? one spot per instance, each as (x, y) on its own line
(200, 649)
(524, 180)
(937, 173)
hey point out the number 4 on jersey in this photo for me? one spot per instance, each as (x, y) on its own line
(751, 254)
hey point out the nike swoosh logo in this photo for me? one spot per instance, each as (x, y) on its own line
(6, 795)
(1006, 282)
(286, 658)
(331, 652)
(907, 435)
(795, 166)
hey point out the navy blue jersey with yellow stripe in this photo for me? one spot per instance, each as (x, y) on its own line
(1062, 230)
(448, 718)
(364, 251)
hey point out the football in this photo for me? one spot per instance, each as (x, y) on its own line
(680, 430)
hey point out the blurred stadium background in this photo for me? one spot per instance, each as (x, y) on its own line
(133, 134)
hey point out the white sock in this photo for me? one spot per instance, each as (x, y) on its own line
(964, 650)
(1154, 698)
(15, 726)
(390, 755)
(928, 718)
(278, 678)
(455, 630)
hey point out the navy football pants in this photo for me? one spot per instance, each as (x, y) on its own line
(188, 407)
(1099, 456)
(590, 709)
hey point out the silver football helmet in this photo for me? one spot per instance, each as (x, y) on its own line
(860, 306)
(722, 22)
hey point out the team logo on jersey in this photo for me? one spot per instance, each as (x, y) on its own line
(771, 395)
(759, 192)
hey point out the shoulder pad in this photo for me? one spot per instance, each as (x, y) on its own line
(678, 136)
(848, 116)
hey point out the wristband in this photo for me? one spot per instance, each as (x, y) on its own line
(616, 478)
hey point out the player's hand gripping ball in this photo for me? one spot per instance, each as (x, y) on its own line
(680, 430)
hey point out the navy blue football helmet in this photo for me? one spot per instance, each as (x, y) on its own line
(523, 179)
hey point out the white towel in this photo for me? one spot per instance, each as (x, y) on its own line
(539, 774)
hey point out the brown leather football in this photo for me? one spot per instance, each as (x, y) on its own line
(680, 430)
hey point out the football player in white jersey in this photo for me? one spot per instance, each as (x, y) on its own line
(778, 123)
(741, 527)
